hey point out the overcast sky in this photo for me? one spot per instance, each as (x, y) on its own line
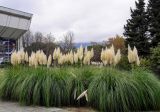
(89, 20)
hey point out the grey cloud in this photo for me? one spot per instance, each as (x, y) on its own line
(90, 20)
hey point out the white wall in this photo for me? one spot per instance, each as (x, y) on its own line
(19, 44)
(14, 22)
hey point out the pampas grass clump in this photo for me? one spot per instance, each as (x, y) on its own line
(79, 80)
(40, 86)
(104, 88)
(116, 91)
(46, 87)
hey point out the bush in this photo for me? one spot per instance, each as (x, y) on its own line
(124, 63)
(97, 52)
(155, 58)
(47, 48)
(145, 63)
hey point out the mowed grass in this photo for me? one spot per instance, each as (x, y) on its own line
(109, 89)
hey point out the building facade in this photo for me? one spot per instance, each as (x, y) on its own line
(13, 24)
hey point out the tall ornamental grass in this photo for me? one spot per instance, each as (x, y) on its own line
(107, 88)
(39, 86)
(46, 86)
(79, 80)
(114, 91)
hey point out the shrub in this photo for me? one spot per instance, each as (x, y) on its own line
(145, 63)
(118, 42)
(124, 63)
(155, 58)
(48, 48)
(97, 52)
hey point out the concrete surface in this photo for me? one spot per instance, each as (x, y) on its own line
(15, 107)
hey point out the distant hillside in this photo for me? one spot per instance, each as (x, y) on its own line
(84, 44)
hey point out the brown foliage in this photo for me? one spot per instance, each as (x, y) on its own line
(118, 43)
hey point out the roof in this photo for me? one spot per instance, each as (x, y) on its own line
(14, 12)
(13, 23)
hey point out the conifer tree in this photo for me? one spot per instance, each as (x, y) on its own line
(136, 28)
(153, 14)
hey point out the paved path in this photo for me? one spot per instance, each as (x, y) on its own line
(15, 107)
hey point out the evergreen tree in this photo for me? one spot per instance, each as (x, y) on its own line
(136, 28)
(153, 14)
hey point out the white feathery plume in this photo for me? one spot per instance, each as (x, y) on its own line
(92, 52)
(19, 57)
(88, 56)
(58, 52)
(80, 52)
(38, 56)
(130, 55)
(136, 56)
(44, 59)
(112, 49)
(54, 54)
(14, 58)
(108, 55)
(133, 55)
(102, 55)
(71, 57)
(75, 57)
(83, 94)
(49, 61)
(85, 51)
(117, 57)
